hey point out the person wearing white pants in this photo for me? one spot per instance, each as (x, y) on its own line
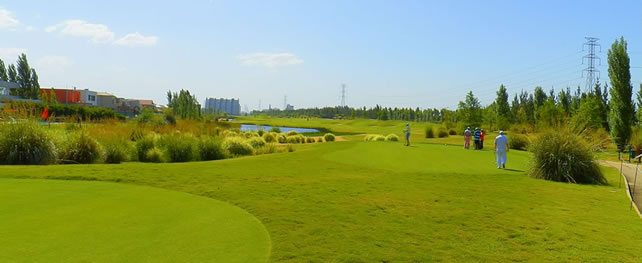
(501, 148)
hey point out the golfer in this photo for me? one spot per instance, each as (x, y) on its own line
(501, 148)
(467, 135)
(476, 138)
(407, 132)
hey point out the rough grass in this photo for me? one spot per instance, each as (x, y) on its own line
(380, 202)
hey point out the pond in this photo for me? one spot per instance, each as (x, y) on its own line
(253, 127)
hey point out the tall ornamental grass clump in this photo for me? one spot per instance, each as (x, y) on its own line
(115, 151)
(519, 142)
(143, 145)
(236, 146)
(564, 157)
(178, 147)
(374, 138)
(430, 132)
(256, 142)
(26, 143)
(329, 137)
(269, 137)
(81, 148)
(392, 138)
(442, 132)
(210, 149)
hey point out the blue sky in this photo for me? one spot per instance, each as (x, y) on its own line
(392, 53)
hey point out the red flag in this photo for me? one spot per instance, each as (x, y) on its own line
(45, 114)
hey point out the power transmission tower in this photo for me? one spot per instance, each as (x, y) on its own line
(592, 73)
(343, 95)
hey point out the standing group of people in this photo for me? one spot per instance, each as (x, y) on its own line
(478, 138)
(501, 144)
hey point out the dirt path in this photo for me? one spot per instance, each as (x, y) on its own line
(635, 191)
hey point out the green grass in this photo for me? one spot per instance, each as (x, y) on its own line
(383, 202)
(73, 221)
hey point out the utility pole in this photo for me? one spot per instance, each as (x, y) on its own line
(343, 95)
(285, 102)
(591, 72)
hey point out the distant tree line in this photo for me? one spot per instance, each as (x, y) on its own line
(600, 107)
(22, 74)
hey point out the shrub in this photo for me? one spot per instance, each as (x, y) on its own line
(563, 157)
(519, 142)
(210, 149)
(292, 139)
(25, 143)
(319, 139)
(281, 138)
(179, 148)
(256, 142)
(260, 132)
(154, 155)
(235, 146)
(310, 140)
(392, 138)
(136, 134)
(430, 132)
(275, 130)
(452, 132)
(229, 133)
(269, 137)
(329, 137)
(292, 133)
(115, 151)
(374, 137)
(442, 132)
(143, 146)
(267, 149)
(81, 148)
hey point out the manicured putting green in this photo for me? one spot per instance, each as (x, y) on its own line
(81, 221)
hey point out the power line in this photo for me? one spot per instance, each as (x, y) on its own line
(591, 57)
(343, 95)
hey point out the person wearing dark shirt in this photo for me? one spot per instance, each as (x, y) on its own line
(476, 138)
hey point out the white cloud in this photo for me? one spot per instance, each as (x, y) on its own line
(98, 33)
(10, 54)
(7, 21)
(270, 60)
(53, 63)
(137, 39)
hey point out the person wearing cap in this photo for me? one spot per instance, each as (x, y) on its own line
(481, 139)
(467, 135)
(476, 138)
(407, 132)
(501, 148)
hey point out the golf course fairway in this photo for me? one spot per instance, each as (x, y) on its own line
(85, 221)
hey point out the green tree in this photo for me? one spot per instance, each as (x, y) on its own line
(24, 78)
(184, 104)
(502, 108)
(12, 74)
(3, 71)
(35, 84)
(539, 96)
(470, 110)
(621, 113)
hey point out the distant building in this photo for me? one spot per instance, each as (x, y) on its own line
(6, 87)
(63, 96)
(88, 97)
(229, 106)
(289, 107)
(107, 100)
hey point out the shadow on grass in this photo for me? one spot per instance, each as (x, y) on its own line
(514, 170)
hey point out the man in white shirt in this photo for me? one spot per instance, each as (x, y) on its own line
(501, 148)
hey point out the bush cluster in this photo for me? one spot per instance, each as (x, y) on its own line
(442, 132)
(374, 137)
(236, 146)
(178, 148)
(392, 138)
(210, 149)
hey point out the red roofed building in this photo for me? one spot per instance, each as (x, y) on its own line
(64, 96)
